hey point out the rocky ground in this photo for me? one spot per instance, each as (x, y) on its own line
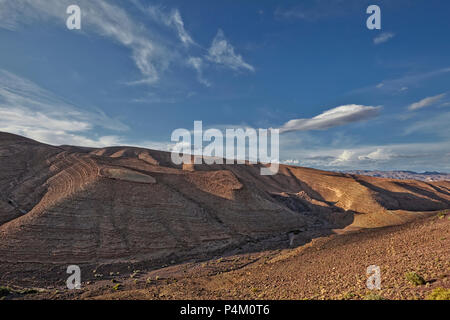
(330, 267)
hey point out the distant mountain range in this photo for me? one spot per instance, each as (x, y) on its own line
(404, 175)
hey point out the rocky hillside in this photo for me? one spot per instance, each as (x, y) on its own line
(82, 205)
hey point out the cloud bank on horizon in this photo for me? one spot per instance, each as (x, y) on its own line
(138, 70)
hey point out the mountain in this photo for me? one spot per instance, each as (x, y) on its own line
(404, 175)
(63, 205)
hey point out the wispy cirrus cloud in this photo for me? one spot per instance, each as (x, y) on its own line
(171, 18)
(198, 64)
(29, 110)
(426, 102)
(222, 52)
(179, 25)
(103, 18)
(338, 116)
(405, 82)
(150, 42)
(383, 37)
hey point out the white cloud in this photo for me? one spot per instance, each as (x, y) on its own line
(343, 158)
(179, 25)
(332, 118)
(222, 52)
(172, 19)
(31, 111)
(197, 64)
(28, 110)
(151, 53)
(383, 37)
(54, 129)
(431, 156)
(151, 45)
(426, 102)
(378, 154)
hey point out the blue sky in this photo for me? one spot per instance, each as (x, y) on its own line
(346, 97)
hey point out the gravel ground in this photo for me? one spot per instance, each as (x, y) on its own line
(332, 267)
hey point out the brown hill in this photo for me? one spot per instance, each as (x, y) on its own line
(331, 267)
(77, 205)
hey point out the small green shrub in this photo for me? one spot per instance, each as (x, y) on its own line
(117, 286)
(441, 215)
(254, 290)
(348, 296)
(439, 294)
(28, 291)
(415, 278)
